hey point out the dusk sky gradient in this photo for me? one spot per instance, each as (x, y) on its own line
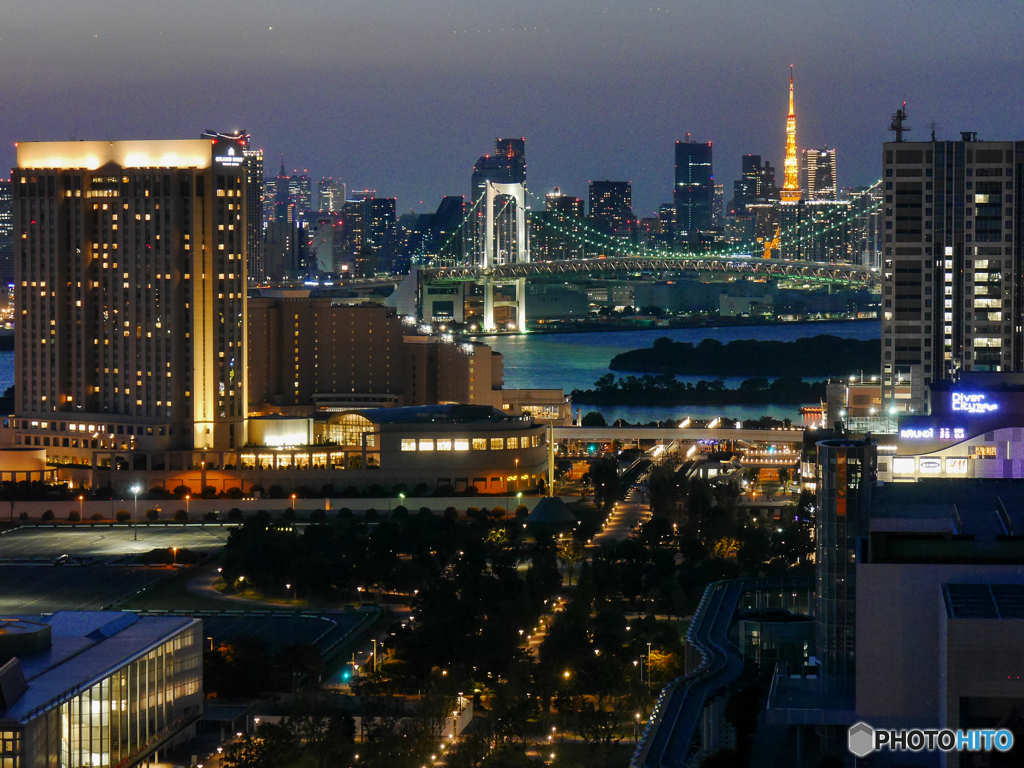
(402, 96)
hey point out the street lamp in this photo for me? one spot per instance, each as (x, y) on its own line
(293, 502)
(136, 489)
(81, 500)
(188, 498)
(174, 555)
(517, 473)
(289, 586)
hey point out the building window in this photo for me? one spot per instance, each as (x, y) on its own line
(408, 444)
(426, 445)
(513, 443)
(444, 444)
(497, 443)
(479, 444)
(461, 444)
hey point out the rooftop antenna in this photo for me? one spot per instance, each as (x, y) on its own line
(897, 125)
(933, 126)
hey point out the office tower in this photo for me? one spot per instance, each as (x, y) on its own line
(370, 232)
(556, 233)
(791, 185)
(756, 184)
(506, 166)
(448, 228)
(513, 153)
(818, 172)
(868, 224)
(382, 226)
(363, 194)
(694, 191)
(326, 241)
(6, 238)
(952, 262)
(132, 319)
(269, 196)
(846, 473)
(717, 205)
(330, 195)
(667, 214)
(611, 212)
(282, 195)
(300, 192)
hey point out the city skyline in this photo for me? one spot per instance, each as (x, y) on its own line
(410, 124)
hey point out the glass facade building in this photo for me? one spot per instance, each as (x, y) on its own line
(134, 688)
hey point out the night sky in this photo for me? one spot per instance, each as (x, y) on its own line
(402, 96)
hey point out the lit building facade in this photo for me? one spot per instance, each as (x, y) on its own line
(130, 271)
(611, 212)
(818, 169)
(97, 689)
(951, 262)
(694, 190)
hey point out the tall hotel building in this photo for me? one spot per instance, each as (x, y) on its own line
(130, 273)
(952, 293)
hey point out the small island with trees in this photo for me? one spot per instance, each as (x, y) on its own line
(822, 355)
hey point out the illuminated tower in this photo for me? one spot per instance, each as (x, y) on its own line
(791, 187)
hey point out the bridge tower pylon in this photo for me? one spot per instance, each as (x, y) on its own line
(521, 254)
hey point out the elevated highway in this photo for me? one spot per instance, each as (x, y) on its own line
(597, 434)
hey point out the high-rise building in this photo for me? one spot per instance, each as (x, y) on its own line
(694, 191)
(952, 263)
(131, 335)
(253, 163)
(756, 184)
(717, 206)
(370, 232)
(818, 172)
(791, 185)
(330, 195)
(611, 213)
(6, 232)
(556, 233)
(513, 153)
(282, 196)
(300, 191)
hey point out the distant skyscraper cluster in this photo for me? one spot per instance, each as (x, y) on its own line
(802, 215)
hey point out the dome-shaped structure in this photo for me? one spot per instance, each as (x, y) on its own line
(551, 510)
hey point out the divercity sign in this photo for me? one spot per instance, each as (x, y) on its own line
(972, 403)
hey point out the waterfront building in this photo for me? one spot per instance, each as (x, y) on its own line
(818, 172)
(952, 256)
(97, 688)
(132, 320)
(694, 190)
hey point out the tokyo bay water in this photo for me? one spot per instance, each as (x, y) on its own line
(576, 360)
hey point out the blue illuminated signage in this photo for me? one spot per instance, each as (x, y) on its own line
(933, 433)
(972, 403)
